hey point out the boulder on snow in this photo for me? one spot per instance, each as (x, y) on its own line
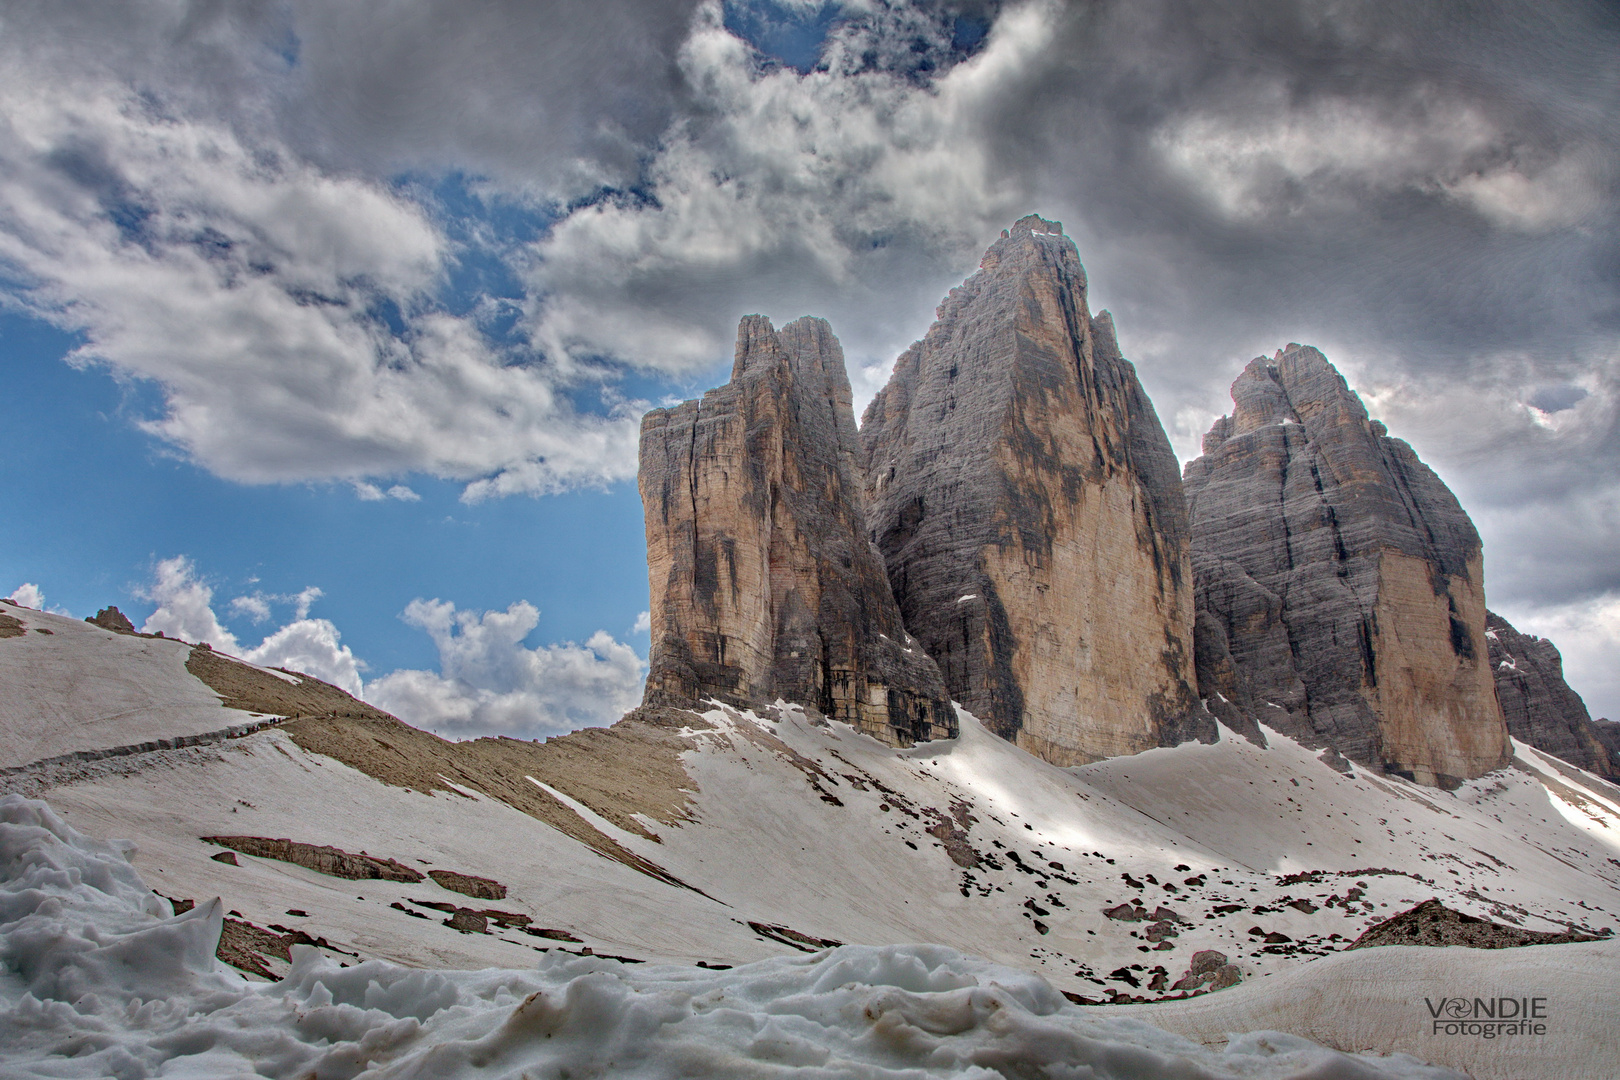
(1432, 923)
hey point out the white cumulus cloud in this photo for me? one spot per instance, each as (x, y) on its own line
(314, 647)
(28, 595)
(490, 683)
(255, 607)
(287, 311)
(185, 607)
(787, 193)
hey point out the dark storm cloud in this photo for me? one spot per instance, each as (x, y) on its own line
(540, 93)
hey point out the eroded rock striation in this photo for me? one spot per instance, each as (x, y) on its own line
(1340, 587)
(1538, 705)
(1030, 513)
(764, 584)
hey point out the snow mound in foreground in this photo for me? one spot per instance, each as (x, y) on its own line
(100, 979)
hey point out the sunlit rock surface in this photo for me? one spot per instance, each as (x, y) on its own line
(764, 584)
(1029, 510)
(1340, 584)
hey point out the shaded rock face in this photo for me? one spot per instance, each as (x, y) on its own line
(1030, 513)
(764, 584)
(1340, 589)
(1538, 705)
(1608, 733)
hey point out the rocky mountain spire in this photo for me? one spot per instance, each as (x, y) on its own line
(1340, 584)
(764, 584)
(1538, 705)
(1030, 513)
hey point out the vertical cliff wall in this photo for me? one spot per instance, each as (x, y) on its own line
(1030, 513)
(1340, 584)
(764, 583)
(1538, 705)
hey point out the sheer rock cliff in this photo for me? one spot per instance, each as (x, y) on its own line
(1539, 706)
(1030, 513)
(1339, 582)
(764, 584)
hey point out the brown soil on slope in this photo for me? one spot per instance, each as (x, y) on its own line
(243, 686)
(631, 768)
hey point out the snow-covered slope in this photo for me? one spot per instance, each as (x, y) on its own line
(101, 980)
(790, 833)
(76, 688)
(71, 687)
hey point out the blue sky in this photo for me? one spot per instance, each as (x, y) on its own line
(261, 267)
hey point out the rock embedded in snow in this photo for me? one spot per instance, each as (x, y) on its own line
(1030, 513)
(1432, 923)
(323, 859)
(1539, 706)
(479, 888)
(1341, 579)
(764, 584)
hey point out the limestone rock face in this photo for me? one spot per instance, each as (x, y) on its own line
(764, 584)
(1030, 513)
(1538, 705)
(1339, 582)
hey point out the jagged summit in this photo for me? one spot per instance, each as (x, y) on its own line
(1340, 583)
(764, 585)
(1030, 513)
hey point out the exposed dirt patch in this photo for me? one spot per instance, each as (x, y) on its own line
(1432, 923)
(479, 888)
(631, 768)
(242, 686)
(322, 859)
(11, 626)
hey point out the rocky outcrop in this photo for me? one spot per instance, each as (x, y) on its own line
(1432, 923)
(764, 584)
(1538, 705)
(1030, 513)
(321, 858)
(1340, 587)
(110, 618)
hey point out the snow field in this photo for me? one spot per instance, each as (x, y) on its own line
(77, 687)
(101, 981)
